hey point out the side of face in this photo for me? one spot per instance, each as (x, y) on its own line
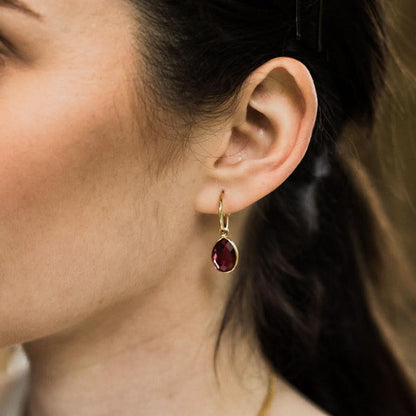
(85, 224)
(77, 206)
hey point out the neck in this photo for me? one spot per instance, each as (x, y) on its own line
(150, 356)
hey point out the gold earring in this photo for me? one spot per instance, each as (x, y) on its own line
(225, 253)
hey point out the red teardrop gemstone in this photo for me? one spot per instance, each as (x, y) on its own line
(224, 255)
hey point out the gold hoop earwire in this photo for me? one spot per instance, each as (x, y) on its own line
(224, 218)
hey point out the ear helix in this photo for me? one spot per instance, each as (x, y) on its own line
(224, 253)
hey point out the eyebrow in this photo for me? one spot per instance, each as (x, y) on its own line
(20, 6)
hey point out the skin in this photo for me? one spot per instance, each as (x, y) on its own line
(105, 271)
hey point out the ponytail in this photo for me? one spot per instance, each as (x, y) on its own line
(308, 298)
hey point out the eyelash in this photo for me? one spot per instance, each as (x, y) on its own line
(4, 50)
(2, 58)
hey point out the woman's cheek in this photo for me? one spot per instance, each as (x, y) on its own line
(63, 155)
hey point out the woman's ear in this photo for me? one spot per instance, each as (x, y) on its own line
(264, 140)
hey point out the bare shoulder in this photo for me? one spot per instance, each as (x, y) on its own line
(291, 402)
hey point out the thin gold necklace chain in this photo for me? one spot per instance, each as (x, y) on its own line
(265, 407)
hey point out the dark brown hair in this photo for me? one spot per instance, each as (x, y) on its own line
(313, 247)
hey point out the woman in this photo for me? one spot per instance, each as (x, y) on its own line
(131, 130)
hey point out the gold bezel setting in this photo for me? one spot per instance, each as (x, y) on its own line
(235, 250)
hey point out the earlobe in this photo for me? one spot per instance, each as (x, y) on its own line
(266, 139)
